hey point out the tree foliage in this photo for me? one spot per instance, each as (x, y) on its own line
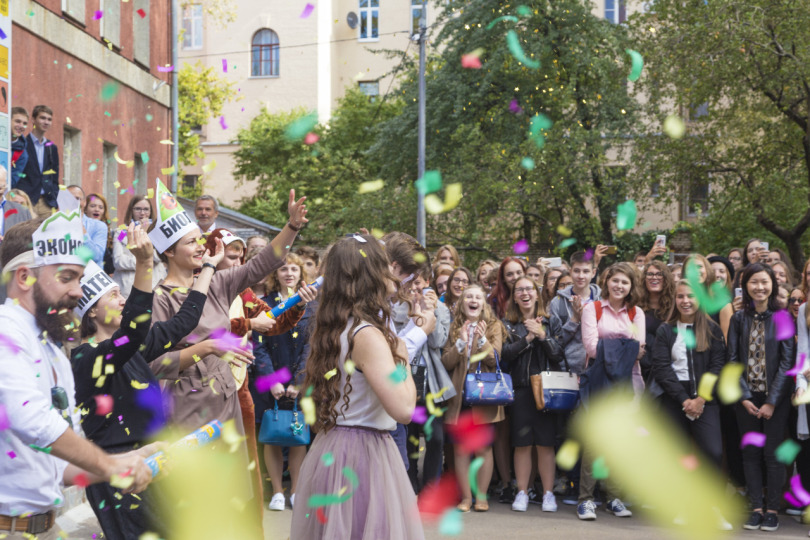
(740, 74)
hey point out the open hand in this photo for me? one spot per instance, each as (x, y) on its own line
(297, 210)
(216, 257)
(139, 244)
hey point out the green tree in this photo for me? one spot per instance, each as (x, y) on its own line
(475, 136)
(739, 72)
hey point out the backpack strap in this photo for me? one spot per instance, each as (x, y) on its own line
(598, 306)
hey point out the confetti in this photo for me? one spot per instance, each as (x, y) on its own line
(299, 128)
(329, 374)
(799, 491)
(349, 366)
(753, 438)
(265, 382)
(521, 246)
(104, 404)
(451, 523)
(311, 139)
(6, 341)
(167, 170)
(224, 65)
(674, 126)
(513, 42)
(370, 186)
(636, 63)
(600, 469)
(540, 123)
(165, 69)
(141, 13)
(308, 9)
(514, 107)
(527, 163)
(4, 422)
(46, 450)
(626, 214)
(524, 11)
(706, 386)
(469, 433)
(109, 91)
(122, 481)
(793, 500)
(472, 476)
(430, 182)
(399, 375)
(97, 15)
(436, 497)
(563, 230)
(510, 18)
(568, 455)
(328, 459)
(689, 338)
(123, 340)
(470, 61)
(142, 386)
(452, 197)
(320, 515)
(11, 454)
(208, 167)
(81, 480)
(121, 236)
(787, 451)
(10, 212)
(222, 123)
(308, 407)
(785, 326)
(799, 367)
(145, 157)
(568, 242)
(231, 436)
(728, 387)
(329, 499)
(84, 253)
(420, 415)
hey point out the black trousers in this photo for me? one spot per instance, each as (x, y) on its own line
(705, 430)
(434, 453)
(754, 456)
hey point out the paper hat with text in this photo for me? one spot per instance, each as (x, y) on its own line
(173, 223)
(59, 240)
(95, 284)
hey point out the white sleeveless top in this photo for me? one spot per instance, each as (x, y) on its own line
(364, 407)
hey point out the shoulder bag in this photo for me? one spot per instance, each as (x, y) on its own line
(284, 428)
(482, 389)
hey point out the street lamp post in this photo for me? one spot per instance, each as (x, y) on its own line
(420, 201)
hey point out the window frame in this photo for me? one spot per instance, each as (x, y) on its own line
(271, 48)
(369, 11)
(416, 13)
(618, 11)
(190, 15)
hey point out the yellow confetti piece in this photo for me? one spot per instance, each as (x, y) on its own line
(30, 280)
(329, 374)
(452, 196)
(196, 358)
(142, 318)
(211, 384)
(122, 482)
(208, 167)
(121, 161)
(166, 141)
(117, 184)
(706, 386)
(150, 193)
(349, 366)
(568, 455)
(308, 406)
(479, 356)
(109, 369)
(100, 381)
(371, 186)
(563, 230)
(419, 257)
(252, 465)
(230, 435)
(377, 233)
(363, 253)
(728, 387)
(97, 367)
(167, 170)
(139, 385)
(50, 171)
(182, 290)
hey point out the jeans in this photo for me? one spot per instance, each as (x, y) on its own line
(400, 435)
(434, 453)
(753, 456)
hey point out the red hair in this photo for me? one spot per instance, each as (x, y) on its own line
(499, 297)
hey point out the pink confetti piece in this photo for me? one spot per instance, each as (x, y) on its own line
(11, 454)
(799, 491)
(470, 61)
(104, 404)
(121, 235)
(4, 422)
(514, 107)
(785, 327)
(123, 340)
(224, 65)
(165, 69)
(754, 438)
(8, 343)
(419, 415)
(192, 338)
(222, 122)
(311, 138)
(265, 382)
(142, 13)
(308, 9)
(792, 500)
(226, 339)
(799, 367)
(97, 15)
(521, 246)
(589, 254)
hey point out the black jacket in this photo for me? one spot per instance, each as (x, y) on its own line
(521, 359)
(778, 355)
(664, 379)
(36, 180)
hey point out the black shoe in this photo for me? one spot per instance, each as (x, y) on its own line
(507, 495)
(755, 521)
(770, 522)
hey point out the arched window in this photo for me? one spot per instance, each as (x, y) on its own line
(264, 54)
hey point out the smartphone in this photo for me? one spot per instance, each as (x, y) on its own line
(692, 418)
(426, 290)
(738, 292)
(554, 262)
(661, 240)
(765, 246)
(611, 250)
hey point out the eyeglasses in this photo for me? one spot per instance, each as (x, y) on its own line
(59, 400)
(655, 275)
(461, 281)
(521, 290)
(735, 258)
(795, 300)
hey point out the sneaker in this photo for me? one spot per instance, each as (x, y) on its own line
(722, 522)
(292, 500)
(534, 498)
(549, 502)
(794, 511)
(507, 495)
(617, 508)
(770, 522)
(277, 502)
(754, 521)
(586, 511)
(521, 503)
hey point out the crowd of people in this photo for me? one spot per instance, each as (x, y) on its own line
(137, 321)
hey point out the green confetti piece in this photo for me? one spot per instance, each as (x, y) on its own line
(636, 65)
(84, 253)
(540, 123)
(428, 427)
(473, 477)
(46, 450)
(149, 117)
(524, 11)
(298, 129)
(109, 91)
(352, 476)
(328, 459)
(107, 113)
(510, 18)
(308, 393)
(145, 157)
(689, 338)
(451, 523)
(568, 242)
(102, 505)
(527, 163)
(710, 300)
(399, 374)
(626, 214)
(431, 182)
(600, 470)
(513, 42)
(787, 451)
(317, 500)
(93, 167)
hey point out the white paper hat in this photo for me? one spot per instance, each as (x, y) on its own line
(60, 240)
(229, 238)
(95, 284)
(173, 223)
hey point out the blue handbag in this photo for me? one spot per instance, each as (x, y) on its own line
(488, 388)
(284, 428)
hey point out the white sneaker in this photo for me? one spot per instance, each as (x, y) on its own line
(722, 522)
(277, 502)
(549, 502)
(521, 503)
(292, 500)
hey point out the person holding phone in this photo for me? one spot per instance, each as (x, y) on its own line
(656, 299)
(139, 212)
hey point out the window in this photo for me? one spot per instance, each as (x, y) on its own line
(369, 20)
(74, 9)
(190, 182)
(370, 88)
(139, 183)
(110, 172)
(72, 156)
(655, 189)
(615, 11)
(416, 14)
(140, 29)
(697, 197)
(264, 54)
(111, 21)
(193, 27)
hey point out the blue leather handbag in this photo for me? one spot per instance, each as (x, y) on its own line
(488, 388)
(284, 428)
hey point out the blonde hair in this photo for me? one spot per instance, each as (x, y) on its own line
(274, 285)
(20, 197)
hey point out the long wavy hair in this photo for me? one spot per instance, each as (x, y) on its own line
(499, 296)
(449, 298)
(667, 296)
(513, 313)
(704, 328)
(487, 315)
(355, 286)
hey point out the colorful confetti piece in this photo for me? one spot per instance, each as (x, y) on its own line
(706, 386)
(674, 126)
(787, 451)
(431, 182)
(265, 382)
(636, 63)
(513, 42)
(399, 375)
(451, 523)
(521, 246)
(728, 387)
(109, 91)
(308, 9)
(104, 404)
(626, 214)
(753, 438)
(299, 128)
(785, 326)
(370, 186)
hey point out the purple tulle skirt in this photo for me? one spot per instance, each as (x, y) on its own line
(383, 505)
